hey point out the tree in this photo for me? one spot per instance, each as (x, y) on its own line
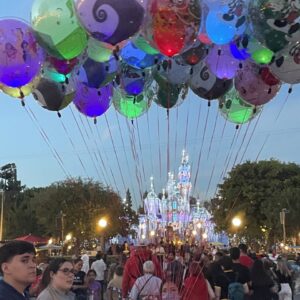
(257, 192)
(130, 214)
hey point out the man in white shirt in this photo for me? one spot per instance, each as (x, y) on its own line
(100, 267)
(147, 285)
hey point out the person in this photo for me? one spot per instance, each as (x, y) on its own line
(100, 267)
(170, 291)
(94, 287)
(261, 283)
(79, 287)
(58, 279)
(244, 259)
(147, 285)
(85, 259)
(36, 286)
(284, 276)
(18, 267)
(134, 267)
(114, 288)
(195, 286)
(174, 270)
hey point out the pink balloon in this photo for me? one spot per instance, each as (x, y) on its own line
(252, 87)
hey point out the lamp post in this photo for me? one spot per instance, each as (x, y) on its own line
(102, 223)
(282, 221)
(236, 222)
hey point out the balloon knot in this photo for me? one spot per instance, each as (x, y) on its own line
(191, 71)
(23, 103)
(237, 127)
(95, 121)
(269, 91)
(132, 121)
(240, 65)
(67, 80)
(290, 90)
(59, 115)
(219, 52)
(208, 103)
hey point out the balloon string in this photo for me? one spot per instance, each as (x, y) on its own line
(140, 147)
(158, 132)
(176, 134)
(105, 160)
(168, 146)
(187, 125)
(114, 147)
(126, 157)
(73, 146)
(85, 143)
(98, 152)
(212, 136)
(150, 146)
(47, 141)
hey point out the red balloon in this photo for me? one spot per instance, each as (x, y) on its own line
(268, 77)
(64, 66)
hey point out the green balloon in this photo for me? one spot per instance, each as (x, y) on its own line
(132, 107)
(99, 51)
(262, 56)
(236, 110)
(142, 44)
(57, 28)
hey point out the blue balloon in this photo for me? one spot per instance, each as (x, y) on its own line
(137, 58)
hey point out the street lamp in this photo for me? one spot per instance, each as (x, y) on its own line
(152, 233)
(236, 222)
(102, 224)
(204, 235)
(68, 237)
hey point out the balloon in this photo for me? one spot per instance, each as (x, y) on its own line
(132, 107)
(110, 21)
(64, 66)
(172, 25)
(20, 92)
(20, 55)
(133, 81)
(251, 86)
(93, 102)
(226, 22)
(202, 35)
(286, 65)
(206, 85)
(236, 110)
(168, 95)
(95, 74)
(142, 44)
(57, 28)
(193, 54)
(221, 62)
(275, 23)
(137, 58)
(99, 51)
(268, 77)
(174, 72)
(52, 95)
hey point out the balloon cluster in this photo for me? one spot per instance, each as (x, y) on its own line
(98, 52)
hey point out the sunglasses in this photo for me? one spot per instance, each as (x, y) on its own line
(67, 271)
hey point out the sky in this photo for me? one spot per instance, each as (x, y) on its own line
(125, 155)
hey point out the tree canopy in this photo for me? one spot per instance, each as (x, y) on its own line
(256, 192)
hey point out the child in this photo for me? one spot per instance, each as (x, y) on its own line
(94, 287)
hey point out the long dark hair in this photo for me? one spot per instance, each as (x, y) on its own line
(54, 266)
(259, 276)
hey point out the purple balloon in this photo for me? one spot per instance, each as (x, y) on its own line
(93, 102)
(21, 57)
(110, 21)
(221, 62)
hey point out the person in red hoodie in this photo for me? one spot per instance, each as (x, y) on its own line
(245, 260)
(195, 286)
(134, 267)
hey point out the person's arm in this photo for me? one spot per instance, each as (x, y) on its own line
(217, 292)
(125, 282)
(211, 293)
(246, 288)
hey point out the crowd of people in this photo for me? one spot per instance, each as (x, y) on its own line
(156, 272)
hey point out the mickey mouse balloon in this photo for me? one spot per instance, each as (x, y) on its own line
(110, 21)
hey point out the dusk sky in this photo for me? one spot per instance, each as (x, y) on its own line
(112, 161)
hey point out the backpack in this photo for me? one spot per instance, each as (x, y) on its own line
(235, 291)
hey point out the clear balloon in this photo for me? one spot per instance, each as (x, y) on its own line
(202, 34)
(236, 110)
(251, 86)
(137, 58)
(93, 102)
(21, 57)
(275, 23)
(286, 65)
(110, 21)
(193, 54)
(56, 26)
(222, 63)
(52, 95)
(171, 26)
(144, 45)
(134, 81)
(132, 107)
(206, 85)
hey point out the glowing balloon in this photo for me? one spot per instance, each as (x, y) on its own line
(52, 95)
(144, 45)
(275, 23)
(93, 102)
(132, 107)
(268, 77)
(236, 110)
(20, 55)
(202, 35)
(110, 21)
(64, 66)
(221, 62)
(193, 54)
(137, 58)
(172, 25)
(20, 92)
(57, 28)
(95, 74)
(286, 65)
(99, 51)
(251, 86)
(174, 72)
(206, 85)
(134, 81)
